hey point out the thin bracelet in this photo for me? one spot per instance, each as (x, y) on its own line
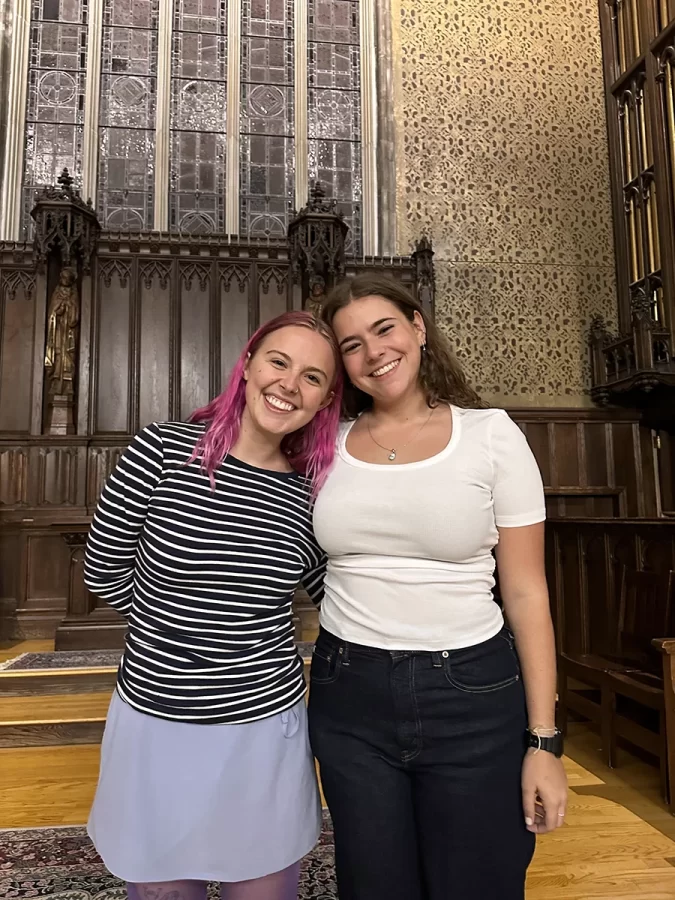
(539, 730)
(536, 731)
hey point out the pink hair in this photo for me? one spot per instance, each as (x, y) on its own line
(309, 450)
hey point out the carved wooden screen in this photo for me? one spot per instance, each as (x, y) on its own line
(17, 313)
(162, 320)
(168, 331)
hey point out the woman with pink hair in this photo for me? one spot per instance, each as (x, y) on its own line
(200, 537)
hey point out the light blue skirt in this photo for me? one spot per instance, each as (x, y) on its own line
(208, 802)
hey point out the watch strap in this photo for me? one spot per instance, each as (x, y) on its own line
(553, 744)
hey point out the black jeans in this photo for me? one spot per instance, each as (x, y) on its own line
(420, 756)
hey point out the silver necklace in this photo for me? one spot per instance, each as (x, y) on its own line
(392, 451)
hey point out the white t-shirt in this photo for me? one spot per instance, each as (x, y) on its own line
(409, 546)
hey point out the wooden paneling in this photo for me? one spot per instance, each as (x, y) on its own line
(101, 462)
(113, 368)
(195, 337)
(234, 317)
(594, 462)
(666, 471)
(17, 311)
(567, 450)
(9, 573)
(595, 452)
(154, 347)
(625, 458)
(36, 584)
(13, 476)
(43, 473)
(59, 475)
(273, 297)
(47, 569)
(584, 560)
(539, 438)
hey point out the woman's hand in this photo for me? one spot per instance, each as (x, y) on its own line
(544, 785)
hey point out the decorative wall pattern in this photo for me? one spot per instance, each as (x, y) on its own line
(503, 162)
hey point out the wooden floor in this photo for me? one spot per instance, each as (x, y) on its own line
(618, 843)
(9, 651)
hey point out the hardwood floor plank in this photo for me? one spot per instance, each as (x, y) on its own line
(54, 707)
(16, 648)
(42, 786)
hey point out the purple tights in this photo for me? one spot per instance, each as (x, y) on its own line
(277, 886)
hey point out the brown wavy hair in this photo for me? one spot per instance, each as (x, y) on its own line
(441, 375)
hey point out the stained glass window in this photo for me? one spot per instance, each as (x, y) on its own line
(198, 117)
(188, 119)
(127, 114)
(334, 105)
(267, 117)
(55, 107)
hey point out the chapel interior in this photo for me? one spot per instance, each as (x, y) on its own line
(174, 173)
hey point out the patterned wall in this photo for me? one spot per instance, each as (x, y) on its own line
(502, 161)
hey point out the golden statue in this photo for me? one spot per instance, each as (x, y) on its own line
(62, 329)
(317, 295)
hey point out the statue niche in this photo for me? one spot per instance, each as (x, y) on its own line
(317, 295)
(63, 321)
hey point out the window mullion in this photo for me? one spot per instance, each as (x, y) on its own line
(162, 124)
(233, 116)
(300, 97)
(90, 148)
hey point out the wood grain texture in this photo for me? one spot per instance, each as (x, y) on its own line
(44, 720)
(75, 681)
(593, 462)
(113, 357)
(53, 709)
(155, 331)
(584, 559)
(48, 734)
(195, 346)
(17, 311)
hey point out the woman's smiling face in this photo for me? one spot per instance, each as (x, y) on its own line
(381, 348)
(288, 380)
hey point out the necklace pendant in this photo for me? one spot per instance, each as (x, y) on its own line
(392, 455)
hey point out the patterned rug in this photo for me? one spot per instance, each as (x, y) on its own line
(61, 863)
(88, 659)
(63, 659)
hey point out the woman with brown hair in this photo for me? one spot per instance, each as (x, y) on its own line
(433, 722)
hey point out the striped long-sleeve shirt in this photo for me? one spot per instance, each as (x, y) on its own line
(205, 579)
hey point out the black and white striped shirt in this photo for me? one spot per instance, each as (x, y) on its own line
(206, 580)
